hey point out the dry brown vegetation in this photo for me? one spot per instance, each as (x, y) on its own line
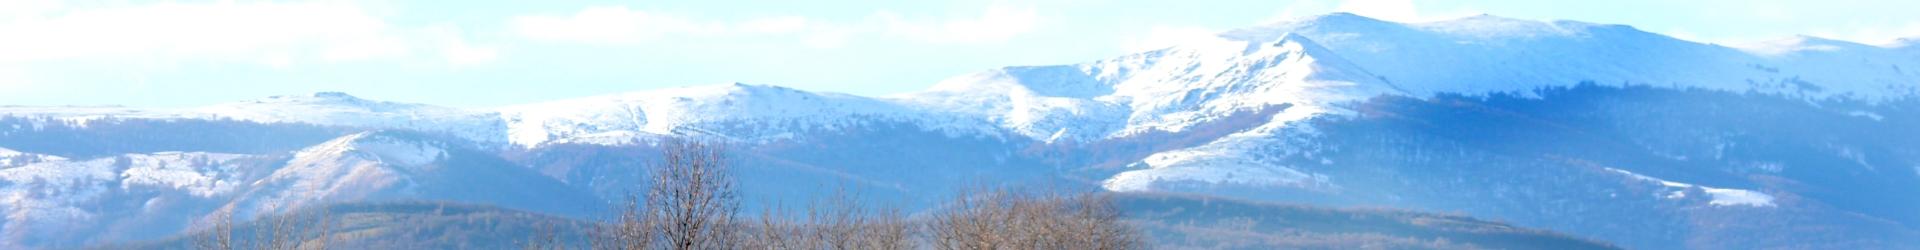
(1010, 219)
(691, 204)
(839, 221)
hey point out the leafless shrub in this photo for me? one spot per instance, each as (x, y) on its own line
(1007, 219)
(838, 221)
(774, 230)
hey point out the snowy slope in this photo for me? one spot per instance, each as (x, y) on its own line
(52, 198)
(729, 111)
(402, 165)
(1318, 63)
(1162, 90)
(322, 108)
(352, 167)
(339, 109)
(10, 158)
(1717, 196)
(83, 115)
(1492, 54)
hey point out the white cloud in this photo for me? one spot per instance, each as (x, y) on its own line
(622, 25)
(460, 53)
(1390, 10)
(609, 25)
(998, 23)
(1298, 8)
(828, 37)
(13, 81)
(139, 39)
(1159, 37)
(457, 51)
(775, 25)
(219, 31)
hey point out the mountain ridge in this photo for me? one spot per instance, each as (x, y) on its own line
(1121, 96)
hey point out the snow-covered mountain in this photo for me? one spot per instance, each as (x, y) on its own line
(739, 112)
(1534, 122)
(340, 109)
(50, 201)
(321, 108)
(386, 165)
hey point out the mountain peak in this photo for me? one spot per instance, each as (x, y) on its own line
(1337, 22)
(1339, 18)
(391, 147)
(1904, 42)
(1486, 26)
(323, 96)
(1800, 43)
(724, 89)
(330, 94)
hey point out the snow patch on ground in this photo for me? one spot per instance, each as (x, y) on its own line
(200, 174)
(1209, 168)
(1237, 159)
(44, 191)
(51, 191)
(1719, 196)
(1866, 114)
(10, 158)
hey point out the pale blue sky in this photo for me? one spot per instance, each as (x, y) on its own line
(491, 53)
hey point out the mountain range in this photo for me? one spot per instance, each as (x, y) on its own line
(1599, 131)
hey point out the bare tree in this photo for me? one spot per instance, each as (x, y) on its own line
(220, 236)
(692, 196)
(689, 203)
